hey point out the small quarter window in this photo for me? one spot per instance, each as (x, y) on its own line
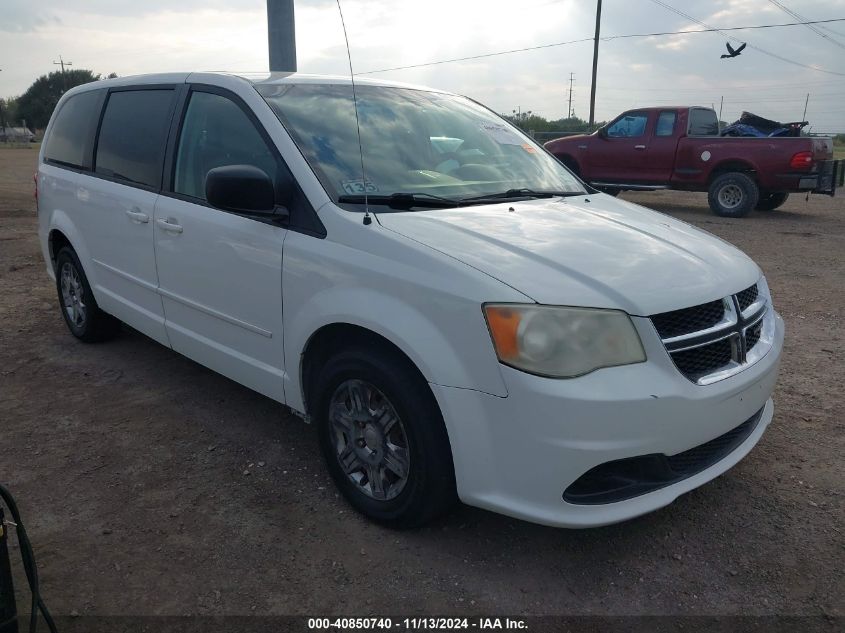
(665, 124)
(73, 130)
(133, 134)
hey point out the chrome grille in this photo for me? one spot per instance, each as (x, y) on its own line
(713, 340)
(700, 361)
(747, 297)
(752, 334)
(677, 322)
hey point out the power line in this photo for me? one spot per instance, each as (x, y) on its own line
(669, 7)
(813, 28)
(755, 88)
(707, 29)
(463, 59)
(711, 29)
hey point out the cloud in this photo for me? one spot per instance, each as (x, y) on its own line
(19, 16)
(162, 35)
(672, 42)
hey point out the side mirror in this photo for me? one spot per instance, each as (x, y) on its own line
(602, 132)
(240, 188)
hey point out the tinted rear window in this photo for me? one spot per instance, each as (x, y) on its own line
(133, 134)
(73, 130)
(703, 123)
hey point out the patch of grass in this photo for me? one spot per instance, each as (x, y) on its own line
(839, 151)
(21, 145)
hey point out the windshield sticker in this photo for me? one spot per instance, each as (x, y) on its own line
(502, 134)
(529, 148)
(358, 187)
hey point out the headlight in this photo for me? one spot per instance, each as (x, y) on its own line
(562, 342)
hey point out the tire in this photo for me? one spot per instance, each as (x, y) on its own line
(358, 393)
(733, 195)
(81, 313)
(771, 201)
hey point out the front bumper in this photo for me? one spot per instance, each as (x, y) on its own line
(517, 455)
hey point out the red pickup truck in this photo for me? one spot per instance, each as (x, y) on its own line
(680, 148)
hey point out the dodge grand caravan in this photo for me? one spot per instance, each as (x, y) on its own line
(457, 314)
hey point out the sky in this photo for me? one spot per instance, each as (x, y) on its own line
(132, 37)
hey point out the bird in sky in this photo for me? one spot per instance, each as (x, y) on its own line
(733, 51)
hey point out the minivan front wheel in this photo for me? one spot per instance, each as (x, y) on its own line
(383, 437)
(81, 313)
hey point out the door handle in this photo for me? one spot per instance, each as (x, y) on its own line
(639, 146)
(137, 216)
(169, 225)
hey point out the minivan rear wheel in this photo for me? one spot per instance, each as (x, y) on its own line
(383, 438)
(81, 313)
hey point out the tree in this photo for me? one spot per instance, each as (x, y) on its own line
(9, 112)
(37, 103)
(529, 121)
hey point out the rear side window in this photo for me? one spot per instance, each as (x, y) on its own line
(665, 124)
(133, 134)
(703, 122)
(73, 130)
(216, 132)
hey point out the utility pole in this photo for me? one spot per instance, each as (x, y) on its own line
(2, 116)
(569, 111)
(63, 63)
(281, 35)
(595, 65)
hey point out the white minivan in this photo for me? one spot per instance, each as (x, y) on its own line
(457, 314)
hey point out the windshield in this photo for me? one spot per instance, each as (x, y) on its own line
(414, 142)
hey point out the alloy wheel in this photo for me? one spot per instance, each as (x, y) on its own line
(72, 295)
(730, 196)
(370, 442)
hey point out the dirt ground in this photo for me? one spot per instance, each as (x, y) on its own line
(151, 485)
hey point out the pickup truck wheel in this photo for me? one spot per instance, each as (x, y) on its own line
(383, 438)
(733, 195)
(82, 315)
(771, 201)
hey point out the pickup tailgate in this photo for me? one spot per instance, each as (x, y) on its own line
(830, 172)
(822, 148)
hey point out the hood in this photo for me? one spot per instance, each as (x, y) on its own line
(565, 140)
(590, 251)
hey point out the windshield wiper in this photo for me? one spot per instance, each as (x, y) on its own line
(522, 193)
(403, 200)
